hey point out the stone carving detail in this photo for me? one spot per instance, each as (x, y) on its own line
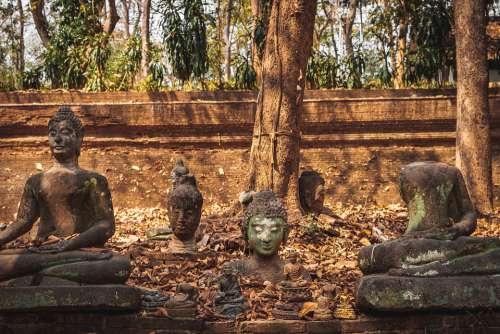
(436, 252)
(264, 228)
(229, 300)
(74, 207)
(184, 212)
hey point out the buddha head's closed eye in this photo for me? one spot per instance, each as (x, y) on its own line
(264, 225)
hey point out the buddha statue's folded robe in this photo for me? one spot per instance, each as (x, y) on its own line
(408, 253)
(24, 267)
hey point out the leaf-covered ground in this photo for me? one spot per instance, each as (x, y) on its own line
(328, 249)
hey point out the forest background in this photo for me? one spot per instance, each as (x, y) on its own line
(98, 45)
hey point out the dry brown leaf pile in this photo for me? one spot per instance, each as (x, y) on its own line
(328, 249)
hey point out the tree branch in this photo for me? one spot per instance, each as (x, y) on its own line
(112, 18)
(41, 24)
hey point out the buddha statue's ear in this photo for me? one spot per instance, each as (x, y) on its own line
(79, 146)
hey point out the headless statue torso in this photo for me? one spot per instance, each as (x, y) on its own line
(427, 188)
(436, 242)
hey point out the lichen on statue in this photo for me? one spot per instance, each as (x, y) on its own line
(437, 244)
(184, 212)
(72, 204)
(265, 229)
(441, 218)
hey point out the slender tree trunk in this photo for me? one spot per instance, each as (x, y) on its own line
(227, 40)
(126, 17)
(146, 15)
(41, 24)
(138, 17)
(473, 156)
(274, 157)
(112, 18)
(348, 21)
(20, 63)
(401, 53)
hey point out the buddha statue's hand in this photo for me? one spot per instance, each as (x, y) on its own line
(57, 247)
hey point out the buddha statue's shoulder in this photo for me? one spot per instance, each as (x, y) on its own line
(33, 183)
(92, 178)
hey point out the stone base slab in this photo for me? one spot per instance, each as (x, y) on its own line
(69, 298)
(402, 294)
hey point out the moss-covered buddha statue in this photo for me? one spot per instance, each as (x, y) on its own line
(436, 264)
(265, 228)
(72, 204)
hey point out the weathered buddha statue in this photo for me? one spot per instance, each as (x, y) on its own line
(312, 192)
(435, 264)
(265, 228)
(229, 300)
(184, 213)
(72, 204)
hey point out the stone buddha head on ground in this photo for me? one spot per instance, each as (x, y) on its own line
(184, 208)
(264, 225)
(311, 192)
(65, 135)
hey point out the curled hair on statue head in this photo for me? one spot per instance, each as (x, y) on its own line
(186, 195)
(65, 114)
(265, 204)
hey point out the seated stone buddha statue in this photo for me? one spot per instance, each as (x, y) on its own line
(72, 204)
(436, 255)
(265, 228)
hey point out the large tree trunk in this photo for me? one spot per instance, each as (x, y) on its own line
(227, 40)
(401, 53)
(146, 11)
(260, 14)
(473, 155)
(348, 21)
(274, 158)
(41, 24)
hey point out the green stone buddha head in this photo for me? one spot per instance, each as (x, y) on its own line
(264, 225)
(65, 135)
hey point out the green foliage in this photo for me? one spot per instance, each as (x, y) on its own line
(124, 64)
(184, 36)
(245, 76)
(32, 78)
(95, 71)
(66, 58)
(156, 73)
(434, 44)
(324, 71)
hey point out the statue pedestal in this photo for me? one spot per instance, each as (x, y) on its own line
(452, 293)
(69, 298)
